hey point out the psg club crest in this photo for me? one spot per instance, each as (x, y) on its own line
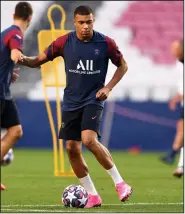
(97, 52)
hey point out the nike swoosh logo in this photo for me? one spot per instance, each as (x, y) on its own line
(94, 117)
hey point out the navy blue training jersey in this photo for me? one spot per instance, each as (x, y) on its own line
(11, 38)
(86, 65)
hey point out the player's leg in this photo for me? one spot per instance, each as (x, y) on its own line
(179, 138)
(71, 132)
(180, 169)
(10, 120)
(80, 168)
(13, 134)
(178, 141)
(181, 158)
(2, 186)
(74, 151)
(90, 130)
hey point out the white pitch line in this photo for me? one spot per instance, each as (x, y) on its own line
(60, 205)
(26, 210)
(48, 211)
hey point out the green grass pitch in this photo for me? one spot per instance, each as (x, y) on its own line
(32, 187)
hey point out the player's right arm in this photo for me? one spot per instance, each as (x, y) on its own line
(53, 51)
(34, 61)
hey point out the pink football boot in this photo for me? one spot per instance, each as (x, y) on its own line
(123, 190)
(93, 201)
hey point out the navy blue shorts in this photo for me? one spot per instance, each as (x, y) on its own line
(74, 122)
(9, 114)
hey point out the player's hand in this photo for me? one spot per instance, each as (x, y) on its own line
(16, 55)
(172, 105)
(103, 94)
(15, 75)
(21, 58)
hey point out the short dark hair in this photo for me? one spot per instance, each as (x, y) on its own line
(83, 10)
(23, 10)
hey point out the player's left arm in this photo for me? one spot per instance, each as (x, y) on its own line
(117, 59)
(14, 41)
(118, 75)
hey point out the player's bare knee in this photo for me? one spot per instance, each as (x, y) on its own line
(16, 131)
(73, 148)
(89, 139)
(89, 142)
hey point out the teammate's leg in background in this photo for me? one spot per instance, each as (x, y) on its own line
(3, 132)
(10, 120)
(177, 144)
(11, 137)
(179, 138)
(180, 169)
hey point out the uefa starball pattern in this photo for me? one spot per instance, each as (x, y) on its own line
(74, 196)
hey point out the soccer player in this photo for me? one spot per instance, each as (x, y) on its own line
(11, 51)
(178, 47)
(177, 51)
(86, 54)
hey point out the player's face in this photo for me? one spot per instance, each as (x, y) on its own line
(84, 25)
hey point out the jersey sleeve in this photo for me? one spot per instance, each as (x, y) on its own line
(114, 53)
(56, 48)
(15, 40)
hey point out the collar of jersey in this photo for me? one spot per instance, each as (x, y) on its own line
(78, 40)
(16, 27)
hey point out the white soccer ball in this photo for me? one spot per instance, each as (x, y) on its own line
(75, 196)
(8, 158)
